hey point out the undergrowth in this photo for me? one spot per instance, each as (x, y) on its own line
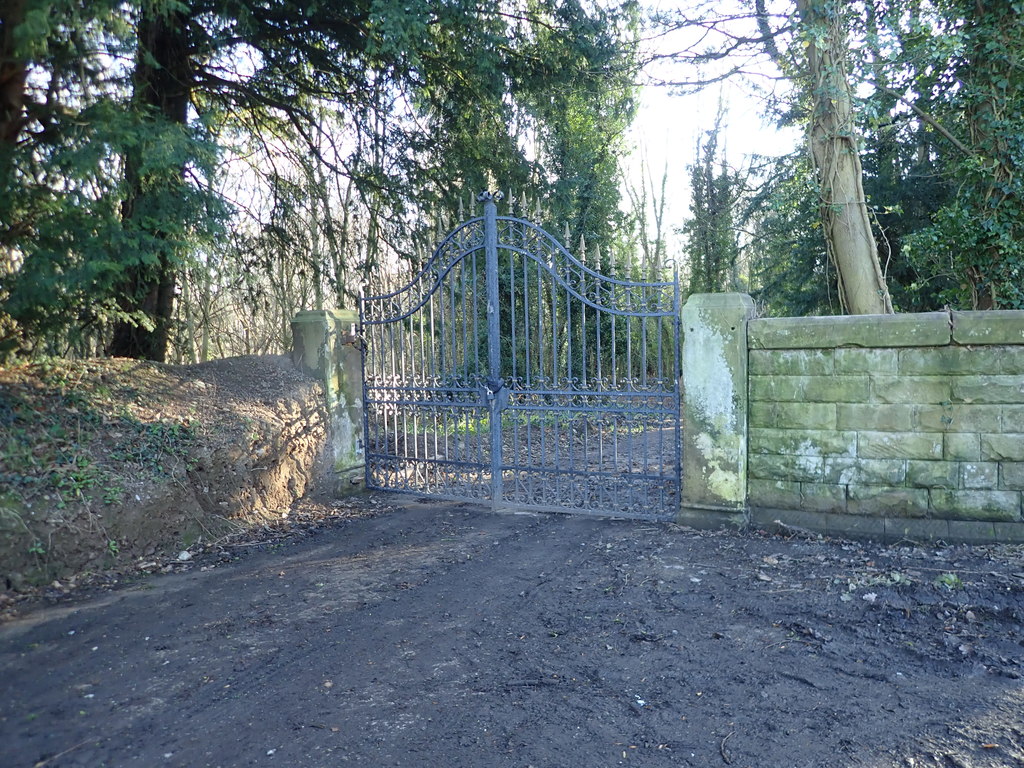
(71, 434)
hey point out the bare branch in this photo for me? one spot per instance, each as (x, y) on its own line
(930, 120)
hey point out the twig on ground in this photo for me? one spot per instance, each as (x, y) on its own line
(51, 758)
(721, 748)
(795, 530)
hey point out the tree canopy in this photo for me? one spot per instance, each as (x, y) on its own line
(145, 142)
(931, 92)
(177, 177)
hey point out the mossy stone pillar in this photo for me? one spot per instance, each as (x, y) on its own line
(714, 388)
(325, 345)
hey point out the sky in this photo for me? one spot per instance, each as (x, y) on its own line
(668, 125)
(665, 135)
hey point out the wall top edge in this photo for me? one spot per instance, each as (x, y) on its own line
(339, 315)
(925, 329)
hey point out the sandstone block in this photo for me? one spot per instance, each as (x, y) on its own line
(842, 471)
(899, 445)
(979, 476)
(791, 362)
(777, 494)
(988, 389)
(975, 505)
(958, 446)
(972, 531)
(933, 474)
(820, 497)
(796, 468)
(855, 526)
(906, 330)
(1012, 419)
(815, 389)
(959, 418)
(1003, 327)
(1006, 447)
(961, 361)
(793, 415)
(877, 361)
(916, 529)
(881, 501)
(772, 518)
(1009, 533)
(911, 389)
(880, 418)
(803, 442)
(1012, 475)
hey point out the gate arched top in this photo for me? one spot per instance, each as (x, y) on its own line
(599, 291)
(496, 375)
(467, 238)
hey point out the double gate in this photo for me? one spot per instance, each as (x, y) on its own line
(509, 371)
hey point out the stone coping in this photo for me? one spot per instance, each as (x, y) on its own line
(340, 315)
(926, 329)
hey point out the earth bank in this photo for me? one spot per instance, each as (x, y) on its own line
(119, 464)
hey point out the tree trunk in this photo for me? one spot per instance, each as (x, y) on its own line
(13, 71)
(162, 89)
(836, 158)
(12, 74)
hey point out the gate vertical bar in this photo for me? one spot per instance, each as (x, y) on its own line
(364, 333)
(493, 383)
(677, 373)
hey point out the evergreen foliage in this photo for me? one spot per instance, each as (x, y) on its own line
(123, 128)
(712, 236)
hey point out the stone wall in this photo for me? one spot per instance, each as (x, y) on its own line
(905, 426)
(891, 427)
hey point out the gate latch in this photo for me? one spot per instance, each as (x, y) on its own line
(495, 389)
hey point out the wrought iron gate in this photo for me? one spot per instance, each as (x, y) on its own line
(508, 370)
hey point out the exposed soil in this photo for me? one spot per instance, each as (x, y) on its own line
(109, 465)
(390, 632)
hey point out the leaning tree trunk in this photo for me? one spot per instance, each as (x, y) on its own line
(162, 89)
(836, 158)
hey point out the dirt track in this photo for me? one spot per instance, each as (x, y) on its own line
(433, 634)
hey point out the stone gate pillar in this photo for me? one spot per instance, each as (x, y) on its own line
(325, 345)
(714, 391)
